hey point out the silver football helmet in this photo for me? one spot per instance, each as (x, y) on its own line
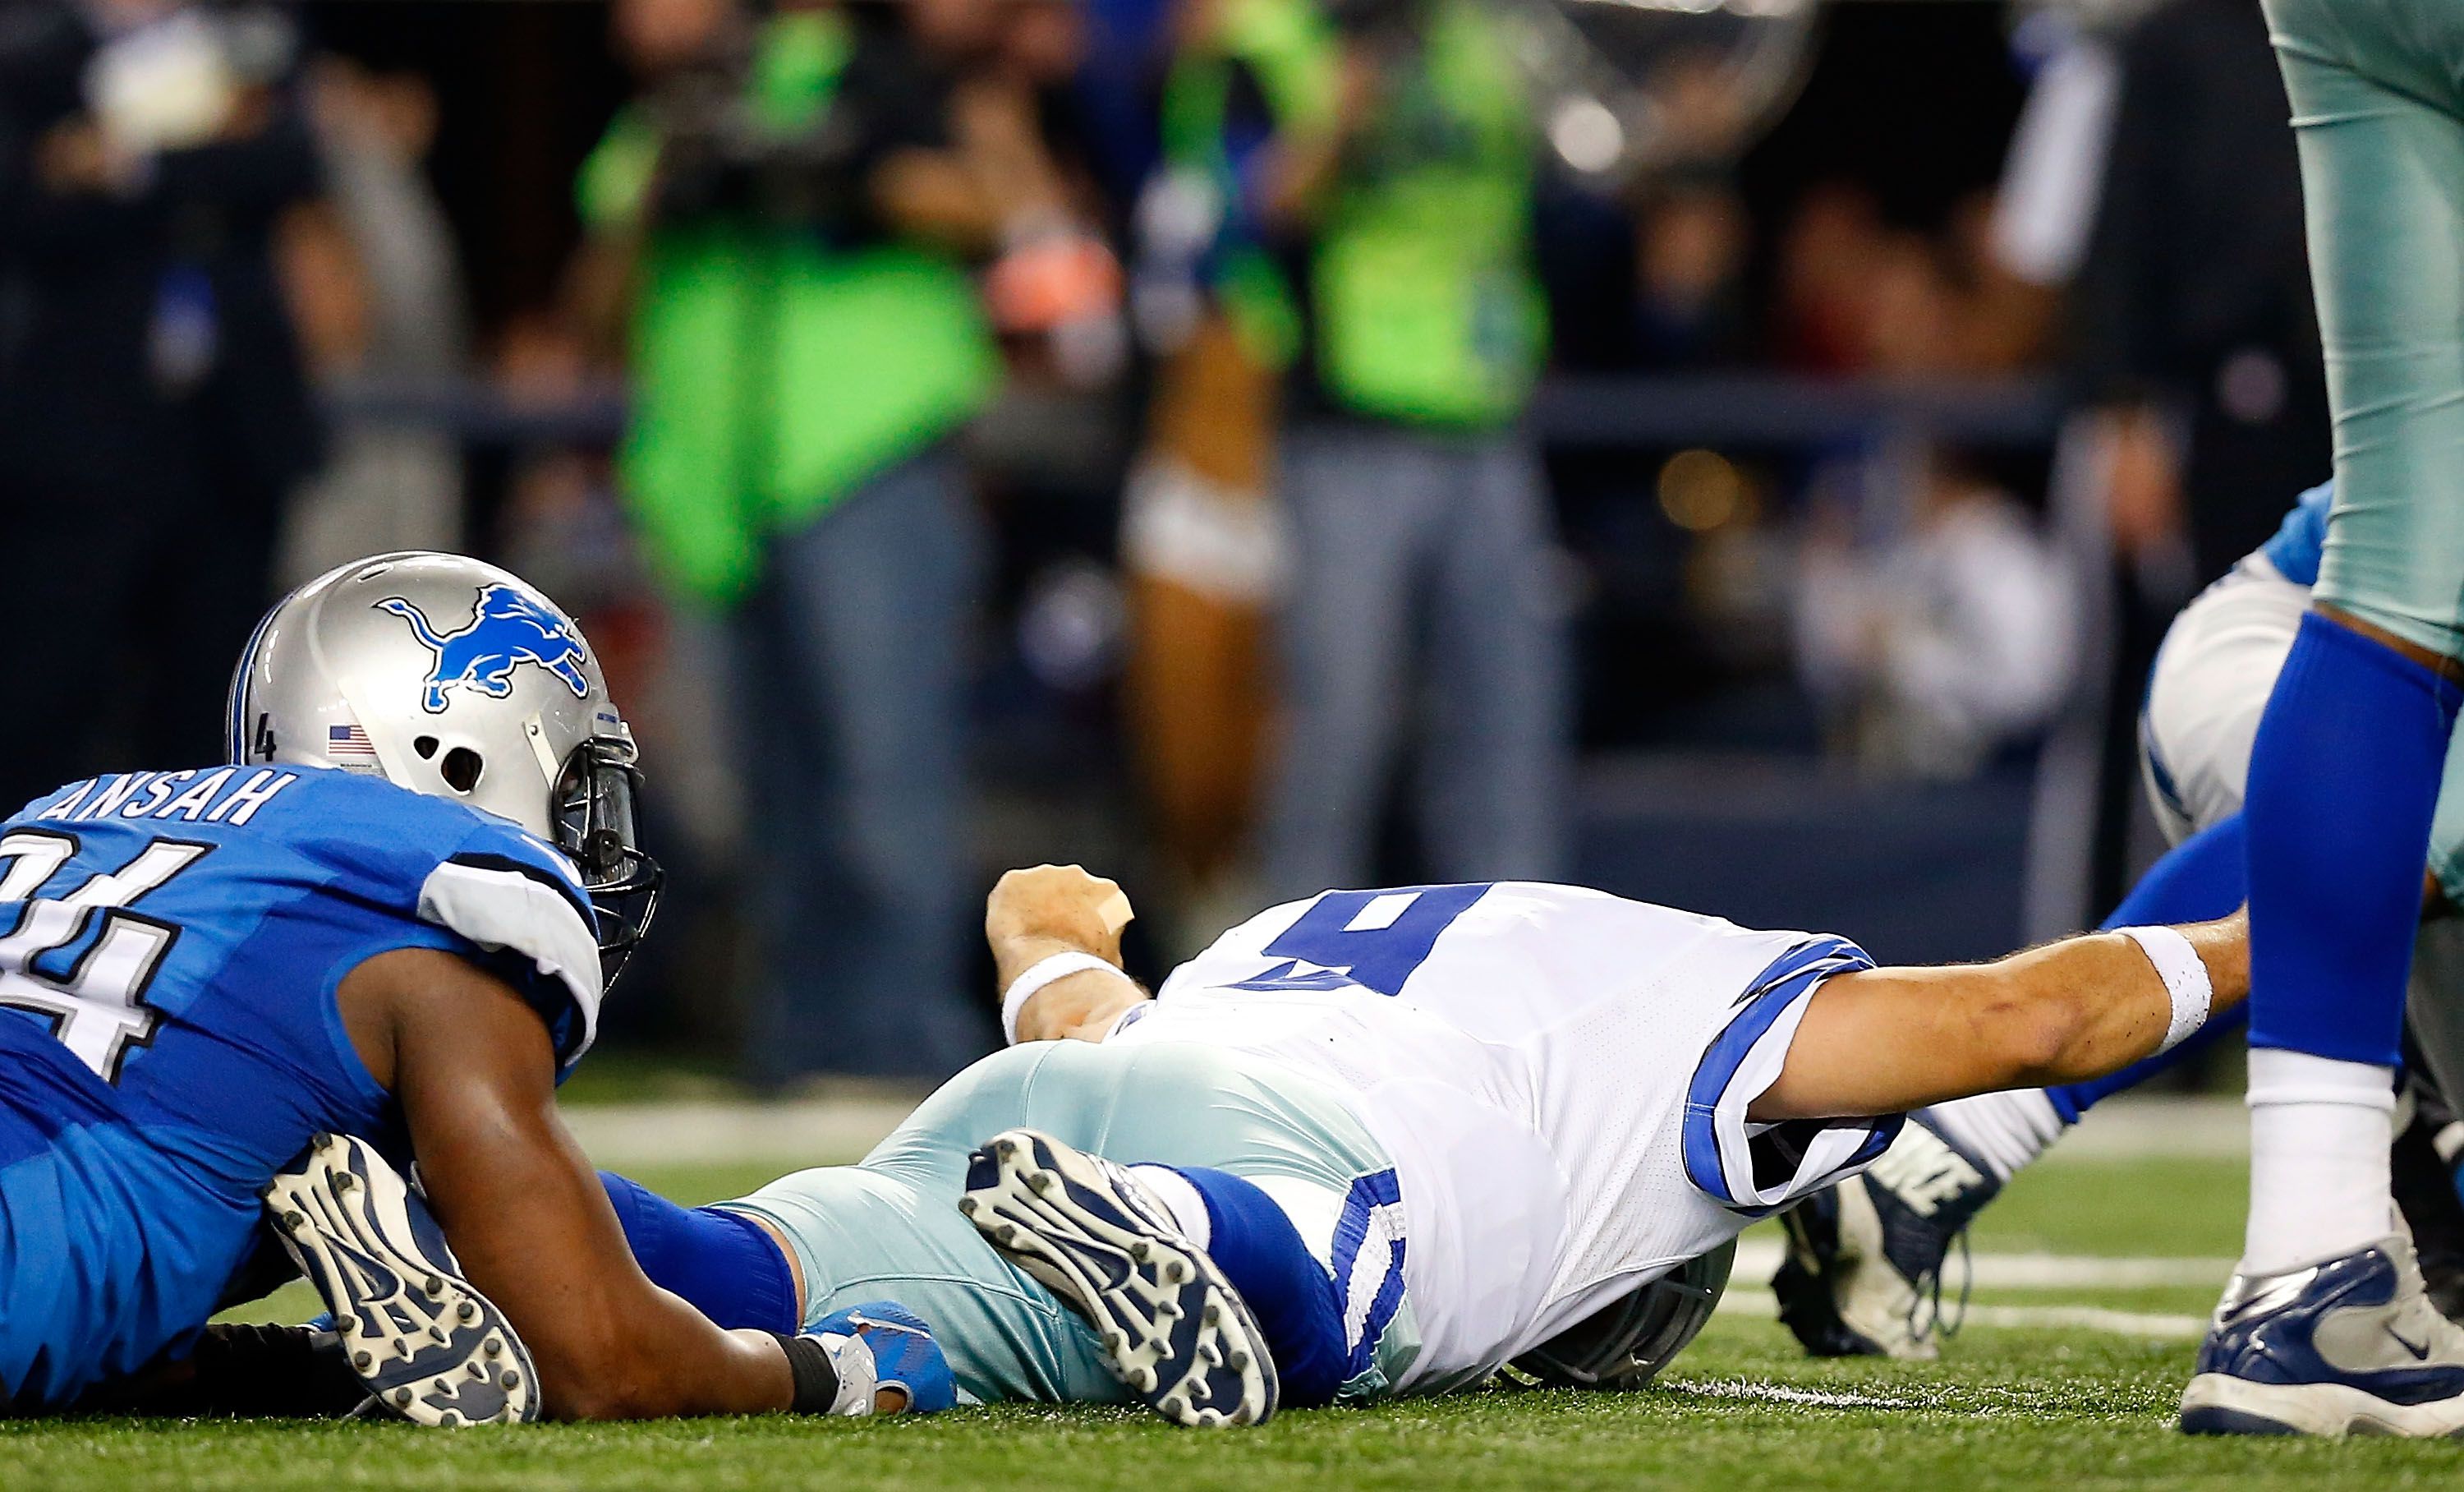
(1625, 1344)
(455, 679)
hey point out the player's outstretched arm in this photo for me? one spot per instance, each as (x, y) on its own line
(1049, 921)
(474, 1069)
(1890, 1040)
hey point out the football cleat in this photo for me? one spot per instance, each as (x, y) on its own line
(1862, 1275)
(1171, 1327)
(429, 1346)
(2348, 1345)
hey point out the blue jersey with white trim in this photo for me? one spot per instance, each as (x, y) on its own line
(170, 949)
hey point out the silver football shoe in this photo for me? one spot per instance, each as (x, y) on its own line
(1172, 1327)
(2347, 1346)
(429, 1346)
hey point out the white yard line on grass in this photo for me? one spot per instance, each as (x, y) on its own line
(2213, 1127)
(1777, 1393)
(2092, 1318)
(1757, 1257)
(1744, 1300)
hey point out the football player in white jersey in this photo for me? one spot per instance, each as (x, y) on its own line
(1382, 1142)
(1575, 1094)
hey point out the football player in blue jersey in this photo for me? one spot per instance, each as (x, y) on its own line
(389, 918)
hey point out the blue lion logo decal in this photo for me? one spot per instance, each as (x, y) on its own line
(507, 629)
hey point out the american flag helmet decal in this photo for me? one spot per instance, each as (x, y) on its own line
(349, 745)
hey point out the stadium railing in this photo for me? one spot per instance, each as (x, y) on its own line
(1885, 424)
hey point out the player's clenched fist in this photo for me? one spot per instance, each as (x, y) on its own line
(1041, 906)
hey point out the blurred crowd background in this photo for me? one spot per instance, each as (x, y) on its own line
(1735, 453)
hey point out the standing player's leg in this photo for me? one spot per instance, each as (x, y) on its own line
(2344, 773)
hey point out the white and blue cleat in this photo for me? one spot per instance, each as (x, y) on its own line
(1862, 1275)
(429, 1346)
(1171, 1325)
(2347, 1346)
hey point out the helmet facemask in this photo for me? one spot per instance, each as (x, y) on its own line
(591, 810)
(1626, 1343)
(454, 679)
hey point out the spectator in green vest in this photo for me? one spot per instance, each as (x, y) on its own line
(786, 207)
(1385, 153)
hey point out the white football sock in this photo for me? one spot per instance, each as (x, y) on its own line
(1188, 1207)
(2004, 1130)
(2319, 1136)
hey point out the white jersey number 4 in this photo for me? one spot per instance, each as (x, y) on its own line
(97, 1005)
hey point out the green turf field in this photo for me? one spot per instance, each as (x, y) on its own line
(2026, 1406)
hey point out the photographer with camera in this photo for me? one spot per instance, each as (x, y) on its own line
(786, 207)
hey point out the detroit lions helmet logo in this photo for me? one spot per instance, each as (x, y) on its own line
(507, 629)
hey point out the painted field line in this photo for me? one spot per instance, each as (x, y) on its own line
(1757, 1257)
(2152, 1324)
(2214, 1127)
(1777, 1393)
(2093, 1318)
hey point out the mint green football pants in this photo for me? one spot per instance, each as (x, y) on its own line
(2377, 89)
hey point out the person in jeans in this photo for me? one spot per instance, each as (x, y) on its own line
(1387, 151)
(804, 343)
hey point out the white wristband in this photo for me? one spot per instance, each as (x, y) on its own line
(2185, 976)
(1041, 972)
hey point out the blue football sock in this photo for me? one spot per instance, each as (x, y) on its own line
(2203, 877)
(2343, 781)
(721, 1262)
(1287, 1289)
